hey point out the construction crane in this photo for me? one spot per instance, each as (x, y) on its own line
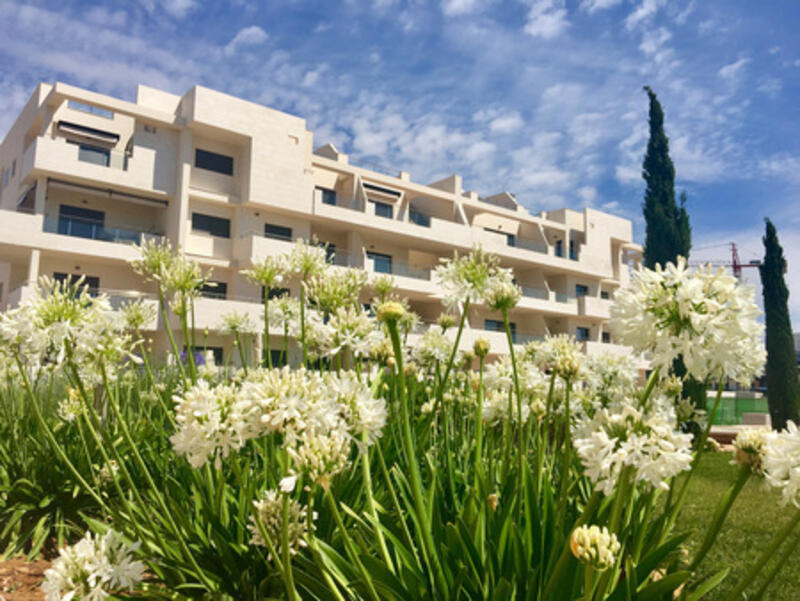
(735, 263)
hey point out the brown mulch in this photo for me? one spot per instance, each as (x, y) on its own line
(20, 579)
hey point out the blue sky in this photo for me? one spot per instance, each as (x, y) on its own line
(539, 97)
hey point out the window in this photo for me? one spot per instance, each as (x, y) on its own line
(328, 196)
(278, 232)
(216, 226)
(275, 293)
(573, 252)
(93, 154)
(90, 282)
(214, 290)
(559, 248)
(495, 325)
(80, 222)
(380, 263)
(606, 337)
(419, 218)
(383, 209)
(211, 161)
(278, 357)
(582, 334)
(88, 108)
(511, 239)
(604, 294)
(200, 355)
(581, 290)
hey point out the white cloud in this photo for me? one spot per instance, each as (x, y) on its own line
(783, 166)
(176, 8)
(546, 19)
(591, 6)
(588, 194)
(653, 41)
(249, 36)
(771, 86)
(460, 7)
(682, 16)
(103, 16)
(506, 124)
(643, 12)
(732, 70)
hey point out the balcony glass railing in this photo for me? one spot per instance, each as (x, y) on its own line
(94, 230)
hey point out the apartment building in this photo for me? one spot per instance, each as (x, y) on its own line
(85, 176)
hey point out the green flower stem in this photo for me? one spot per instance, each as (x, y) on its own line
(411, 456)
(165, 318)
(314, 548)
(266, 328)
(724, 506)
(555, 575)
(479, 428)
(242, 357)
(452, 358)
(652, 379)
(396, 503)
(672, 511)
(522, 443)
(777, 540)
(188, 339)
(373, 509)
(286, 552)
(350, 547)
(567, 454)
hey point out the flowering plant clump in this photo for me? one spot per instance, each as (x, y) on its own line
(380, 461)
(705, 317)
(93, 569)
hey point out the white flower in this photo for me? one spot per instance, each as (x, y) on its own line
(467, 278)
(434, 346)
(781, 462)
(561, 354)
(93, 568)
(594, 546)
(706, 317)
(354, 330)
(622, 435)
(749, 448)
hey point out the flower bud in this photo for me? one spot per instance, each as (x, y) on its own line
(481, 347)
(391, 312)
(493, 500)
(594, 546)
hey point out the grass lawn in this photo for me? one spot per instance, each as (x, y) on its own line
(755, 517)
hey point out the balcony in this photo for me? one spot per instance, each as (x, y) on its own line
(432, 229)
(137, 173)
(593, 306)
(93, 230)
(252, 247)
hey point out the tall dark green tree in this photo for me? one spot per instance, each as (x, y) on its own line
(783, 380)
(668, 232)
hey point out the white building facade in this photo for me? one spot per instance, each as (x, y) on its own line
(85, 176)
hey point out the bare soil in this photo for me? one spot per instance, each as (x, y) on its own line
(20, 579)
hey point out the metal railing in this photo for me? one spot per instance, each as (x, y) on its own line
(540, 293)
(372, 166)
(86, 228)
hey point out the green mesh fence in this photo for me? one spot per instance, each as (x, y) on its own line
(730, 410)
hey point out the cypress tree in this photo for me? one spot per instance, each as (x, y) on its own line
(668, 233)
(783, 381)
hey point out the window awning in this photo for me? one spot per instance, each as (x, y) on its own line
(375, 191)
(97, 135)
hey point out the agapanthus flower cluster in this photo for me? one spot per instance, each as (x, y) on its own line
(623, 435)
(139, 314)
(235, 323)
(306, 259)
(609, 376)
(284, 312)
(318, 334)
(594, 546)
(334, 288)
(319, 415)
(707, 317)
(354, 330)
(781, 462)
(269, 508)
(469, 277)
(62, 322)
(499, 382)
(93, 568)
(268, 271)
(749, 448)
(433, 347)
(560, 354)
